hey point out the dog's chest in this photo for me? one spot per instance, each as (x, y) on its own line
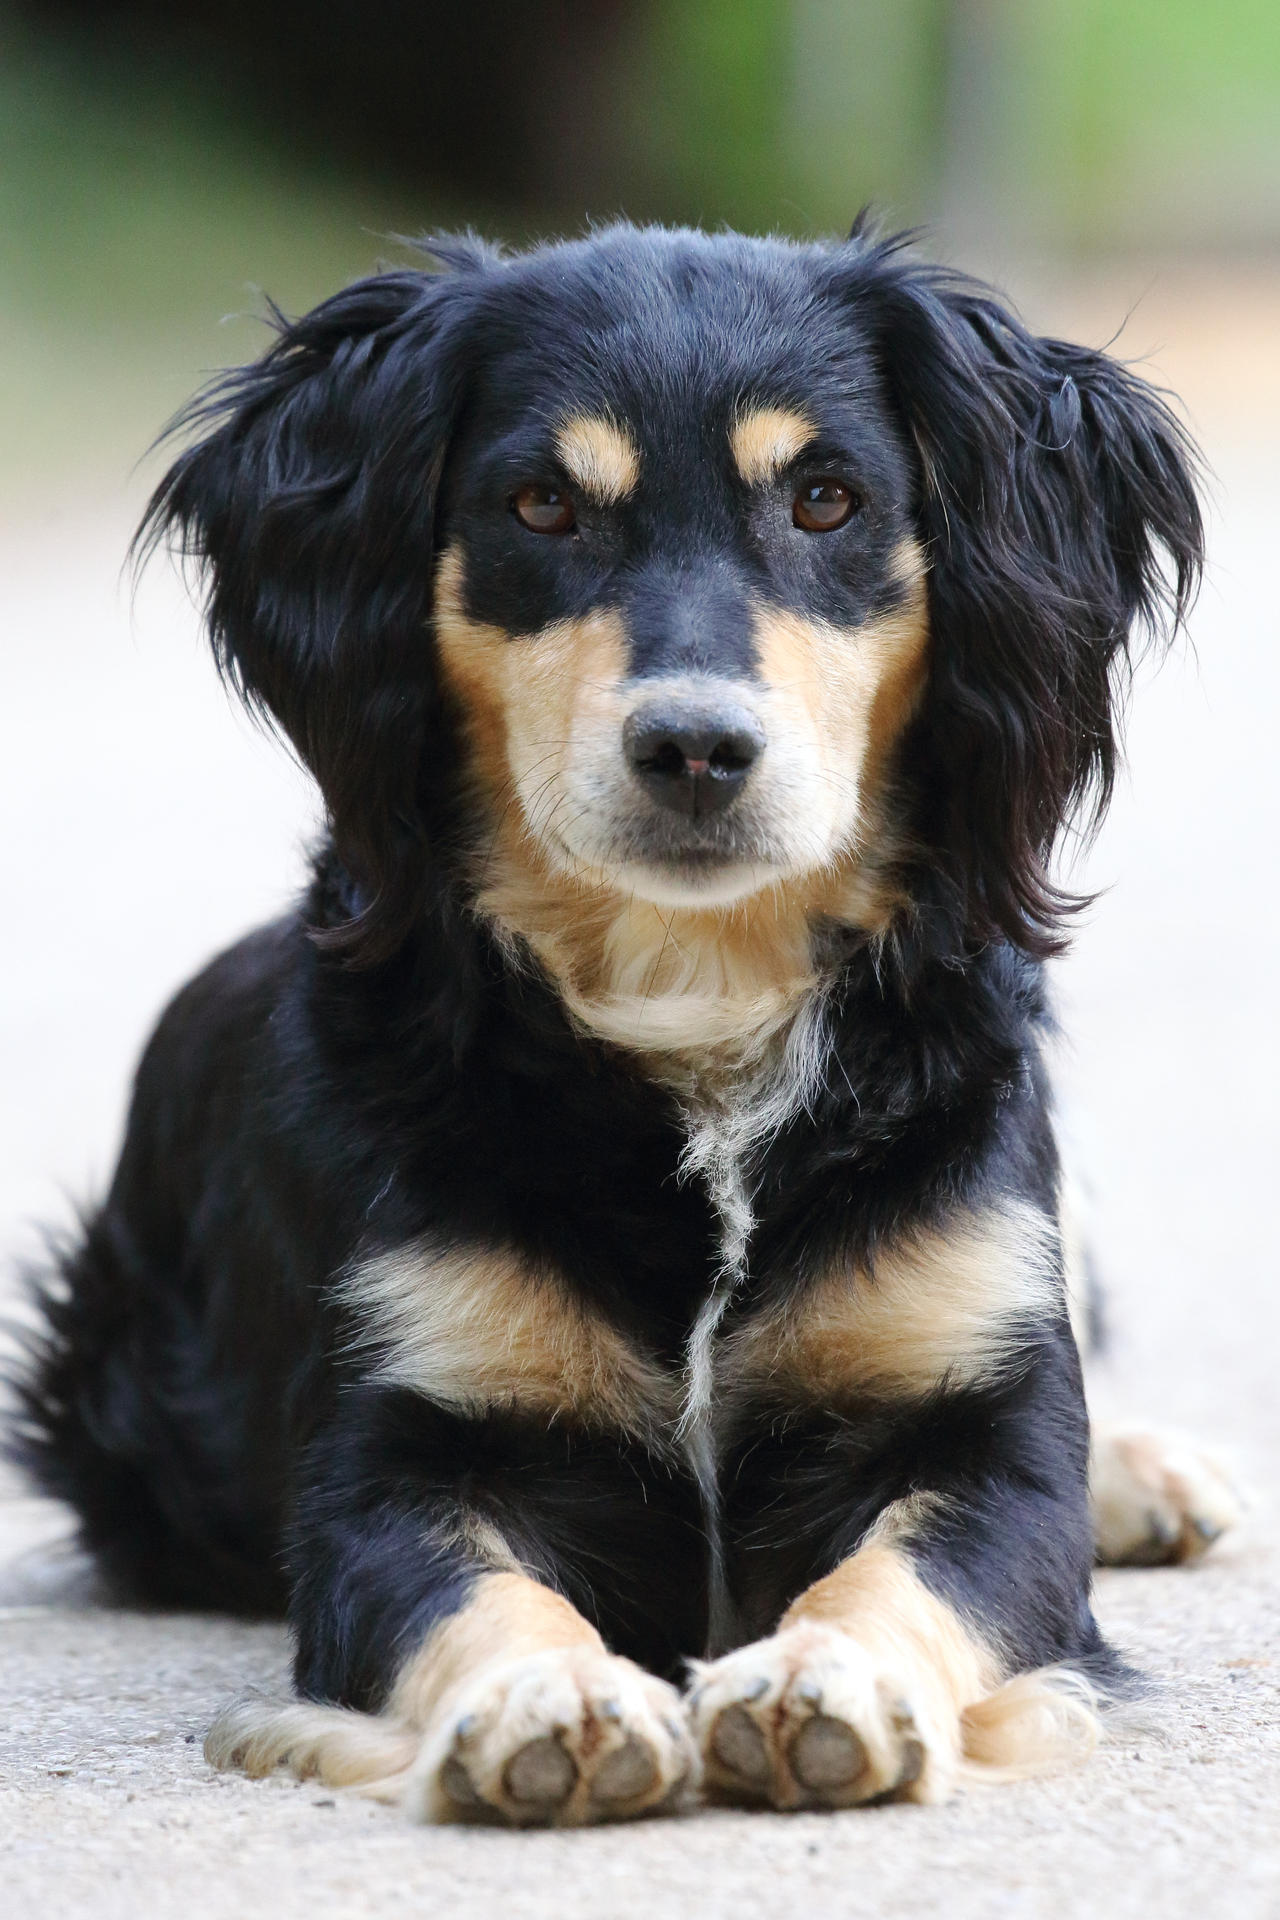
(659, 1307)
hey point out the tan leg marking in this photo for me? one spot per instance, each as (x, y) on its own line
(365, 1752)
(528, 1716)
(950, 1303)
(1156, 1498)
(476, 1328)
(874, 1687)
(512, 1710)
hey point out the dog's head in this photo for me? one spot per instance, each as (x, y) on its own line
(690, 568)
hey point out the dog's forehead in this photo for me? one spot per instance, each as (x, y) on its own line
(668, 335)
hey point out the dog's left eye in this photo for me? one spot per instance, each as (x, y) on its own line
(821, 506)
(545, 509)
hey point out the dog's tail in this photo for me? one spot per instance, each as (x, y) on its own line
(112, 1409)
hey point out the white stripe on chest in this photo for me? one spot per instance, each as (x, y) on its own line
(724, 1125)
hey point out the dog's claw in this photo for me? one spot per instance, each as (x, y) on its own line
(456, 1782)
(912, 1763)
(1160, 1528)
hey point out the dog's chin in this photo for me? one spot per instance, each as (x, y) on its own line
(707, 883)
(691, 878)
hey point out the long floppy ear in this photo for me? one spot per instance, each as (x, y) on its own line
(309, 502)
(1058, 511)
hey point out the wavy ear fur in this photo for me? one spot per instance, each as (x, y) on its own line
(1057, 506)
(309, 501)
(1058, 510)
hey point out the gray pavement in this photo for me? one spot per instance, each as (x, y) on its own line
(146, 824)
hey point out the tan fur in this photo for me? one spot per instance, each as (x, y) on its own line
(1035, 1723)
(1075, 1263)
(724, 981)
(334, 1745)
(766, 440)
(725, 977)
(946, 1303)
(959, 1695)
(512, 1707)
(524, 1712)
(475, 1329)
(856, 689)
(485, 1543)
(525, 700)
(1156, 1498)
(508, 1616)
(874, 1686)
(878, 1596)
(600, 457)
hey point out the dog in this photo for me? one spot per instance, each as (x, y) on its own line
(612, 1230)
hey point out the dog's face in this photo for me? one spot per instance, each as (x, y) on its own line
(681, 598)
(703, 564)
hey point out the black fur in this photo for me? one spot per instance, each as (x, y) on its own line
(375, 1069)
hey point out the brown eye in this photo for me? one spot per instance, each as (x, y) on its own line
(545, 510)
(823, 505)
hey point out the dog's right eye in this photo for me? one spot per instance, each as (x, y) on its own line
(545, 509)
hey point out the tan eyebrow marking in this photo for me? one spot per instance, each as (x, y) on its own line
(599, 456)
(765, 439)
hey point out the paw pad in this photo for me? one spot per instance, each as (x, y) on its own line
(557, 1738)
(807, 1719)
(826, 1753)
(541, 1774)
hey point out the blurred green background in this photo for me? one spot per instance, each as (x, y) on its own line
(161, 166)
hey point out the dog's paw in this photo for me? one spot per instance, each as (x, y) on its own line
(562, 1738)
(807, 1718)
(1156, 1499)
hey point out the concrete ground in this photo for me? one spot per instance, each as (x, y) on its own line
(146, 825)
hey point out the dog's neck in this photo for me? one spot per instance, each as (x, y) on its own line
(706, 995)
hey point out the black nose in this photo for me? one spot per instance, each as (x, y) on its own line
(694, 762)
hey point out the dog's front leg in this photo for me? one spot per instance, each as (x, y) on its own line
(944, 1641)
(860, 1693)
(436, 1668)
(525, 1714)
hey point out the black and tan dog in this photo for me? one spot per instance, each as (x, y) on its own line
(616, 1221)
